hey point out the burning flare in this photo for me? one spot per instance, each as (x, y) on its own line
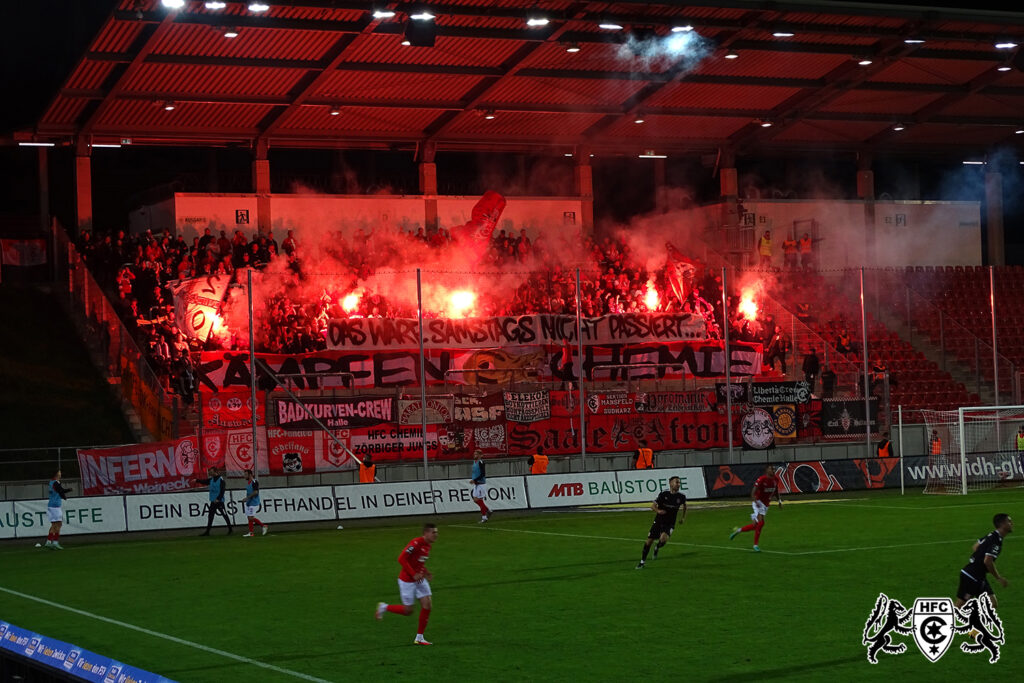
(748, 307)
(350, 303)
(461, 303)
(651, 298)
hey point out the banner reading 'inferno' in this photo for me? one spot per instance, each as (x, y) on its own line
(139, 468)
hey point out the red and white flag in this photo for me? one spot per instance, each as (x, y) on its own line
(31, 252)
(197, 302)
(680, 271)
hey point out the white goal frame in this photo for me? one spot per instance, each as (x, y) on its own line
(963, 442)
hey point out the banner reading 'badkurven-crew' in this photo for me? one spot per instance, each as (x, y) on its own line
(381, 334)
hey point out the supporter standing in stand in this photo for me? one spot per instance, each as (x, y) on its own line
(811, 368)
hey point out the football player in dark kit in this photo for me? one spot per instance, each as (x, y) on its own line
(973, 577)
(666, 507)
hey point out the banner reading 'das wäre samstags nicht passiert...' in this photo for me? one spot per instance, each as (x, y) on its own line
(380, 352)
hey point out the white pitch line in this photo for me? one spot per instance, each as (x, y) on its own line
(612, 538)
(926, 507)
(719, 547)
(173, 639)
(882, 547)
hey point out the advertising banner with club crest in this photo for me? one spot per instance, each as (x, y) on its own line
(139, 468)
(844, 418)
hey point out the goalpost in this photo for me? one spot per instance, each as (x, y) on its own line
(973, 448)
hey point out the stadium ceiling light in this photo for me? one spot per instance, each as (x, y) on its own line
(1004, 67)
(1006, 45)
(334, 111)
(913, 41)
(764, 123)
(421, 13)
(609, 25)
(783, 34)
(864, 62)
(213, 5)
(382, 11)
(572, 47)
(731, 55)
(638, 119)
(173, 4)
(258, 7)
(649, 154)
(899, 126)
(230, 33)
(1019, 131)
(169, 106)
(37, 144)
(535, 18)
(682, 28)
(106, 145)
(489, 114)
(974, 163)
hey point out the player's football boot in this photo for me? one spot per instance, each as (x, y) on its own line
(382, 607)
(420, 640)
(757, 548)
(265, 529)
(641, 565)
(248, 535)
(57, 546)
(734, 533)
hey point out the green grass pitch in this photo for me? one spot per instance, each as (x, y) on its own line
(531, 597)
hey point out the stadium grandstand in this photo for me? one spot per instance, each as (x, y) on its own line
(363, 249)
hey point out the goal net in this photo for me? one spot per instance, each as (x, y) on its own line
(972, 449)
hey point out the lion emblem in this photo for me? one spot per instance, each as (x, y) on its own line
(888, 616)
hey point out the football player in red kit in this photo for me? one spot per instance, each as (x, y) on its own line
(761, 495)
(413, 581)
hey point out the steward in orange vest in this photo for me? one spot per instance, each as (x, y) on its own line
(367, 470)
(538, 462)
(936, 443)
(885, 446)
(644, 457)
(805, 251)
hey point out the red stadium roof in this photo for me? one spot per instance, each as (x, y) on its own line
(319, 73)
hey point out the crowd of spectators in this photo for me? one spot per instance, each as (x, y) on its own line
(136, 270)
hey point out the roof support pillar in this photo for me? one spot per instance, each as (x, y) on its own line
(43, 155)
(428, 184)
(583, 182)
(866, 192)
(728, 187)
(261, 186)
(83, 187)
(994, 216)
(660, 188)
